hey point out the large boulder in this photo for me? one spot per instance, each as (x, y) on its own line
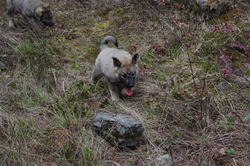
(219, 6)
(119, 130)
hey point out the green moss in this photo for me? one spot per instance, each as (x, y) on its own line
(124, 39)
(102, 26)
(114, 12)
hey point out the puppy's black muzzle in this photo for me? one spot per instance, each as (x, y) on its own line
(49, 23)
(46, 18)
(127, 81)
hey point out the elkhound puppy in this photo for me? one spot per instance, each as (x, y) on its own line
(33, 9)
(118, 66)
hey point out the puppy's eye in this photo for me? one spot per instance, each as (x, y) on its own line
(123, 75)
(133, 74)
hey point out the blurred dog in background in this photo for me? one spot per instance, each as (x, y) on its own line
(36, 10)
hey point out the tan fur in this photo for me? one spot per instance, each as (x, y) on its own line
(42, 8)
(39, 10)
(46, 5)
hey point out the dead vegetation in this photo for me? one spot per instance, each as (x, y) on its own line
(192, 95)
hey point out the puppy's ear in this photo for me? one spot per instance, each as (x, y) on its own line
(39, 11)
(116, 61)
(134, 59)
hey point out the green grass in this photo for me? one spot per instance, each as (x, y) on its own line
(36, 58)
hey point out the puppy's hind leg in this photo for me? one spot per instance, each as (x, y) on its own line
(96, 74)
(10, 13)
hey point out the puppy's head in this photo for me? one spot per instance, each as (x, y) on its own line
(45, 14)
(126, 70)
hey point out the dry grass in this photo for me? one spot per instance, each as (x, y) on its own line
(47, 103)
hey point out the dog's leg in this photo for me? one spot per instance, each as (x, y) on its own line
(96, 74)
(31, 20)
(10, 13)
(113, 89)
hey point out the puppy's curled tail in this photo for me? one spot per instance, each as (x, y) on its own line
(104, 43)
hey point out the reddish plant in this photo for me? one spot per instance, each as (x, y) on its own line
(226, 28)
(157, 47)
(248, 34)
(226, 67)
(160, 2)
(240, 47)
(76, 92)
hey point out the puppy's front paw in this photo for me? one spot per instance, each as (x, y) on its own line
(114, 94)
(115, 99)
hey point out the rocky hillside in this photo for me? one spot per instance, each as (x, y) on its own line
(192, 95)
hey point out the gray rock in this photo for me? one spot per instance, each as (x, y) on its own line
(2, 64)
(219, 6)
(3, 56)
(119, 130)
(224, 85)
(165, 160)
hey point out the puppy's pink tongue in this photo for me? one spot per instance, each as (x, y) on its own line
(129, 91)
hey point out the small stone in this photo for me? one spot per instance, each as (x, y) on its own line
(2, 66)
(222, 151)
(165, 160)
(119, 130)
(224, 85)
(2, 60)
(3, 56)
